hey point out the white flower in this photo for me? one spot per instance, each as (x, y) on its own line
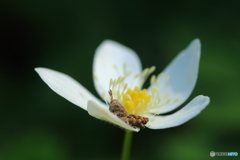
(118, 68)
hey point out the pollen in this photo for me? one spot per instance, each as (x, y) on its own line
(135, 101)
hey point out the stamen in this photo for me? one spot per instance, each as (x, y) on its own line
(137, 75)
(118, 95)
(103, 95)
(153, 90)
(115, 67)
(146, 72)
(124, 69)
(139, 104)
(152, 69)
(119, 79)
(160, 75)
(125, 86)
(114, 82)
(176, 100)
(95, 76)
(129, 97)
(167, 78)
(167, 95)
(153, 79)
(110, 83)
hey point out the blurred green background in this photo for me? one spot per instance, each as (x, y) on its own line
(37, 124)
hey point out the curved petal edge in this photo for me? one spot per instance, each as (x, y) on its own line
(66, 87)
(188, 112)
(180, 76)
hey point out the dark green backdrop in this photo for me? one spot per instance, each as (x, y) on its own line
(37, 124)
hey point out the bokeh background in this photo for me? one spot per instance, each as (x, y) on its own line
(37, 124)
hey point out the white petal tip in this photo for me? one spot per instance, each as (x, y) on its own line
(108, 41)
(196, 44)
(196, 40)
(41, 69)
(203, 100)
(108, 45)
(37, 69)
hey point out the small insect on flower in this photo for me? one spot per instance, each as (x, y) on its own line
(116, 108)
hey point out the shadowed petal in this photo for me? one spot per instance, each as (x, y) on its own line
(101, 111)
(180, 76)
(66, 87)
(183, 115)
(109, 61)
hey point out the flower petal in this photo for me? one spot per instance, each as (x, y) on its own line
(183, 115)
(109, 61)
(66, 87)
(101, 111)
(180, 76)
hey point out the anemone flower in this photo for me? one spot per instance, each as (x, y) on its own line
(119, 79)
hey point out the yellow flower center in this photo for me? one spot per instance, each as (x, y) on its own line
(135, 101)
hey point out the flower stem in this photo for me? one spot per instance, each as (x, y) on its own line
(127, 145)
